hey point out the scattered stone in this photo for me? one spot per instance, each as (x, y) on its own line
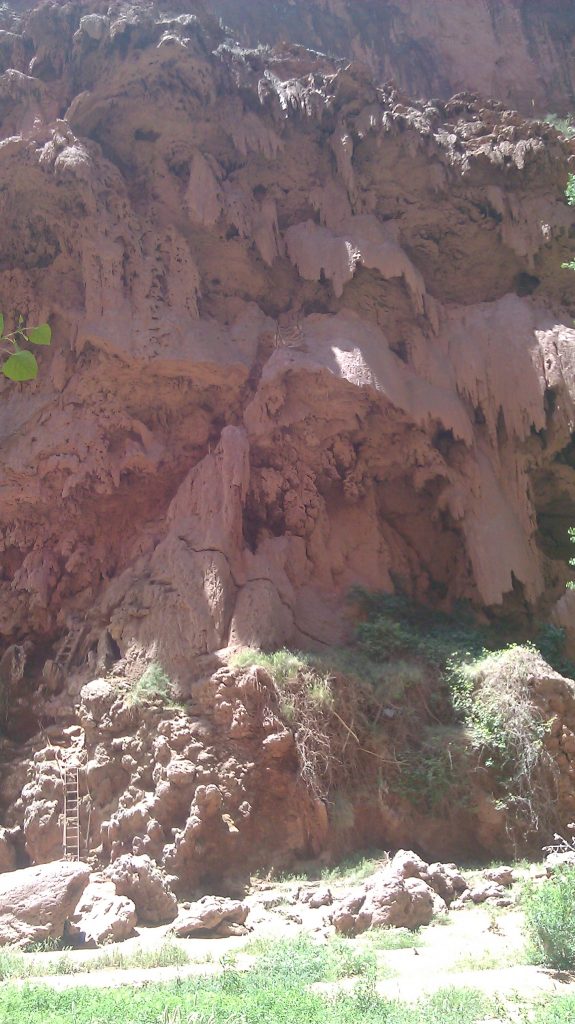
(316, 898)
(212, 915)
(36, 902)
(492, 892)
(321, 898)
(147, 886)
(501, 876)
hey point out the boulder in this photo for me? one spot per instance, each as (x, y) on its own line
(491, 891)
(320, 898)
(423, 903)
(212, 915)
(391, 903)
(94, 26)
(96, 699)
(446, 880)
(147, 886)
(102, 916)
(36, 902)
(344, 914)
(407, 864)
(501, 876)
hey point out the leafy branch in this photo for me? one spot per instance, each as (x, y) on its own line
(18, 363)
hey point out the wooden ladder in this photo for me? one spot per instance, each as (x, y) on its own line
(71, 837)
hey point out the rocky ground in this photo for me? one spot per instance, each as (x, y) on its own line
(476, 940)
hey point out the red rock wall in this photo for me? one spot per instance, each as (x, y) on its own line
(306, 335)
(521, 52)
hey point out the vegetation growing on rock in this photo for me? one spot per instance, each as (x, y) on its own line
(18, 363)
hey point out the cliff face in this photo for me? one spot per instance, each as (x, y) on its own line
(521, 52)
(307, 335)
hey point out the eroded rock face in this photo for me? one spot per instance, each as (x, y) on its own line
(102, 916)
(307, 334)
(519, 51)
(139, 879)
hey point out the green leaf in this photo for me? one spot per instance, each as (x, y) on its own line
(21, 366)
(41, 335)
(1, 325)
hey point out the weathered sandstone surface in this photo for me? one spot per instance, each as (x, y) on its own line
(521, 52)
(307, 334)
(36, 902)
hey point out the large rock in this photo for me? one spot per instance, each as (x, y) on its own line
(446, 880)
(36, 902)
(407, 864)
(102, 916)
(389, 902)
(212, 915)
(146, 886)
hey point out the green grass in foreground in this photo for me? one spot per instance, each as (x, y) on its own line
(277, 990)
(390, 938)
(234, 999)
(14, 964)
(560, 1010)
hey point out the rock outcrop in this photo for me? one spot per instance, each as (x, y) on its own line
(36, 902)
(521, 52)
(307, 334)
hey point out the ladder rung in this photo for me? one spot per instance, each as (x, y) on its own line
(71, 837)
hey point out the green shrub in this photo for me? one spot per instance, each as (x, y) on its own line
(550, 919)
(494, 698)
(550, 642)
(152, 686)
(432, 771)
(564, 125)
(330, 715)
